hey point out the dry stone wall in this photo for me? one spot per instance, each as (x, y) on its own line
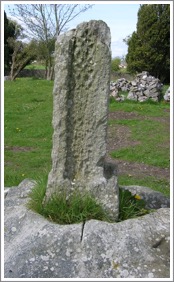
(142, 88)
(145, 87)
(28, 73)
(121, 84)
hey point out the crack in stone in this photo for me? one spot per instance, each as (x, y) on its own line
(83, 226)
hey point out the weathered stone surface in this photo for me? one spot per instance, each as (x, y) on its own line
(18, 194)
(37, 248)
(142, 98)
(167, 95)
(153, 199)
(81, 94)
(132, 95)
(121, 84)
(143, 87)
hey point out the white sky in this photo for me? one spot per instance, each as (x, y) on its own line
(121, 19)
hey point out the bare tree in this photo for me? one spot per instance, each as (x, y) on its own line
(44, 22)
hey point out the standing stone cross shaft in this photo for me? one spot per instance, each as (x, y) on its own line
(80, 111)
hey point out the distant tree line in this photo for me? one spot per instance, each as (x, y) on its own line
(149, 45)
(40, 24)
(9, 32)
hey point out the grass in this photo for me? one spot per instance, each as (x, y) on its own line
(28, 133)
(148, 108)
(35, 67)
(152, 137)
(147, 132)
(28, 129)
(80, 208)
(77, 208)
(160, 185)
(130, 206)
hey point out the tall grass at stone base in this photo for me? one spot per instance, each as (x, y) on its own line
(80, 207)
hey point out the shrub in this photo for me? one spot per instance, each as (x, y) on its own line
(115, 64)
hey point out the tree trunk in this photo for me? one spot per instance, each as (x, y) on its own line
(16, 67)
(50, 73)
(50, 69)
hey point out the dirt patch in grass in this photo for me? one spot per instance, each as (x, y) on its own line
(119, 136)
(19, 149)
(141, 170)
(124, 115)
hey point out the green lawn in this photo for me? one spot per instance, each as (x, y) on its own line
(28, 129)
(151, 133)
(150, 150)
(151, 109)
(35, 67)
(28, 132)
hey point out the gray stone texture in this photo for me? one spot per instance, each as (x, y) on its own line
(153, 199)
(142, 88)
(81, 96)
(145, 87)
(38, 248)
(167, 95)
